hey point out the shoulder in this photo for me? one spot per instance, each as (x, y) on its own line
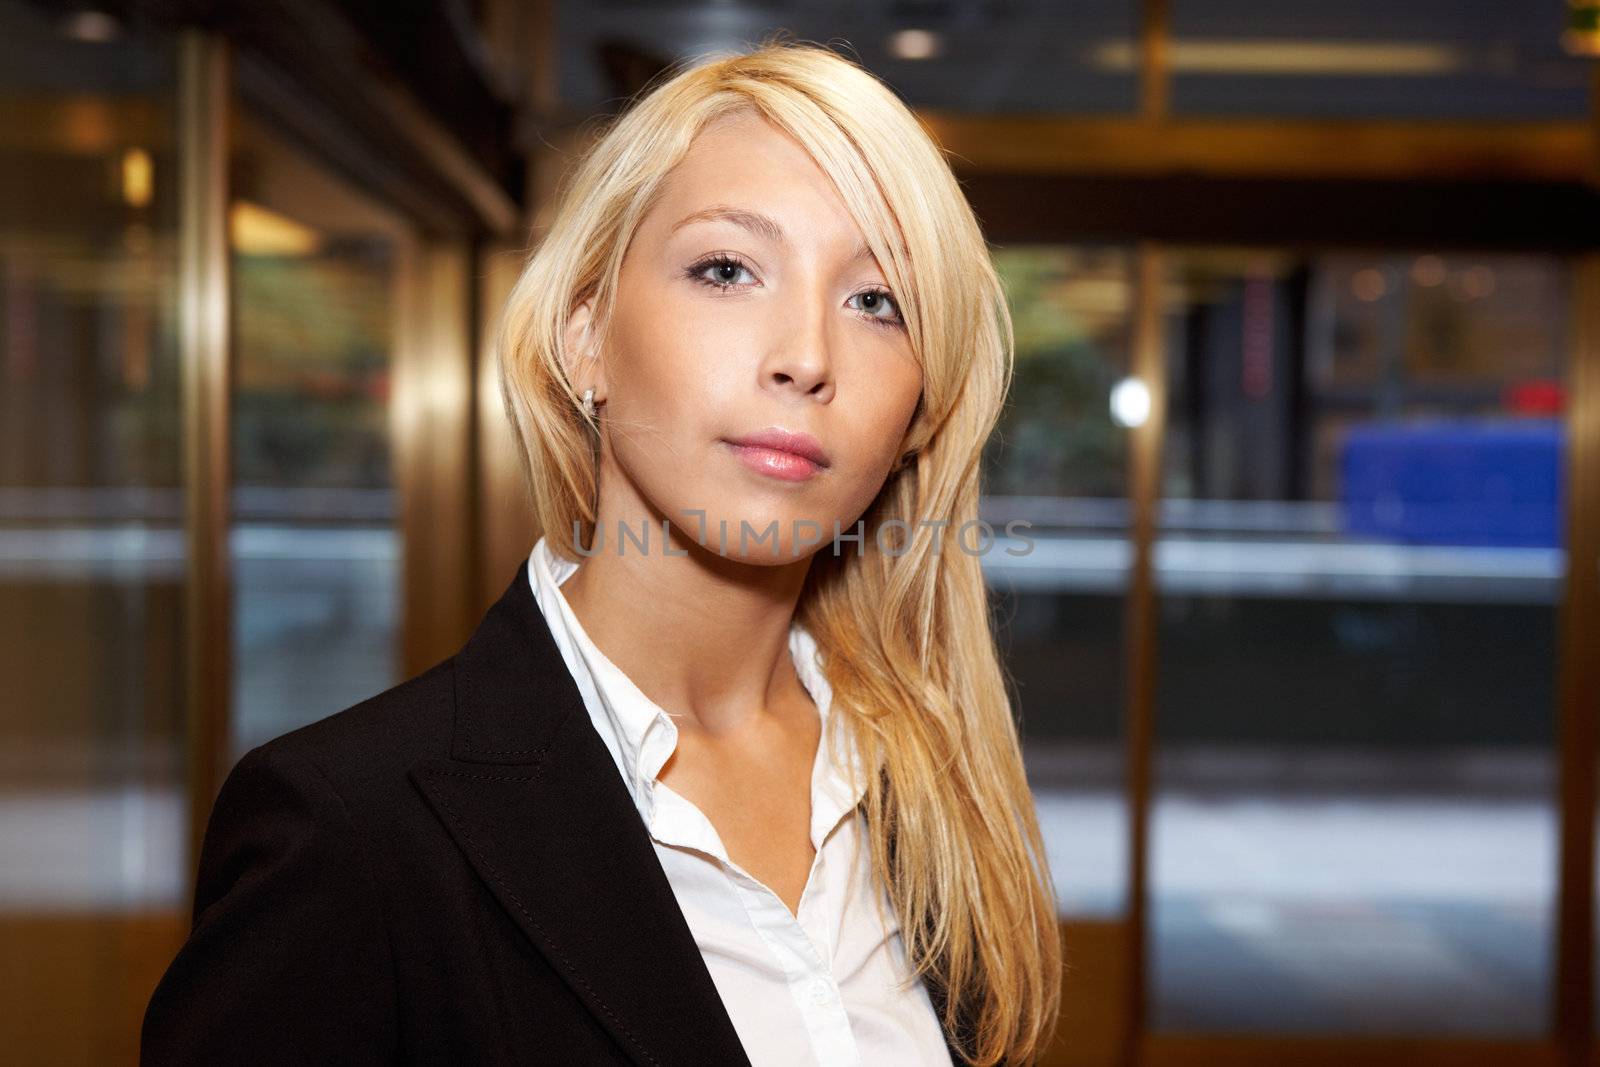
(364, 751)
(288, 886)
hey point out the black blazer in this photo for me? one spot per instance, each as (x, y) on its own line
(451, 872)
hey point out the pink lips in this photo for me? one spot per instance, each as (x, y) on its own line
(778, 453)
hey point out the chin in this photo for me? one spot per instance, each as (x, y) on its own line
(758, 536)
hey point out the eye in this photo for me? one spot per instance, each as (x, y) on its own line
(878, 298)
(723, 269)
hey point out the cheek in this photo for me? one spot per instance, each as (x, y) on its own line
(671, 361)
(651, 380)
(895, 389)
(664, 386)
(877, 428)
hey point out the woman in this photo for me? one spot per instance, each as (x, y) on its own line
(751, 366)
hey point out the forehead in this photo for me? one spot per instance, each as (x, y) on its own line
(748, 137)
(744, 159)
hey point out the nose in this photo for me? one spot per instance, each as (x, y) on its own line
(801, 361)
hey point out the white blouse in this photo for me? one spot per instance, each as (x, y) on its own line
(820, 989)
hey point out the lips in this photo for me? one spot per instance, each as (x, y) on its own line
(778, 439)
(780, 453)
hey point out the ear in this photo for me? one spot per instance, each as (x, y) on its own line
(581, 352)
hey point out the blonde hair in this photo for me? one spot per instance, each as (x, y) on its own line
(905, 634)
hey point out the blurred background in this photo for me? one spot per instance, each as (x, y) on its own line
(1306, 418)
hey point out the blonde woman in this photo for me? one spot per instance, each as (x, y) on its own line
(728, 774)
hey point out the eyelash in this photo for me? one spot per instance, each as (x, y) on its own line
(696, 273)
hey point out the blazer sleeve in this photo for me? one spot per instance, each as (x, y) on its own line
(288, 959)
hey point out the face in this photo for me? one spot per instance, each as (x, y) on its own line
(758, 368)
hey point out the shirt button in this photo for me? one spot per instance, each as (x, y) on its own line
(821, 991)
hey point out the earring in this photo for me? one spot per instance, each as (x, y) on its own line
(588, 402)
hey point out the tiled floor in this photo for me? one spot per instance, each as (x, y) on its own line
(1394, 915)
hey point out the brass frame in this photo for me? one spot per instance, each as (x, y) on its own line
(1146, 443)
(1579, 682)
(1243, 148)
(432, 420)
(432, 413)
(501, 508)
(205, 343)
(1579, 692)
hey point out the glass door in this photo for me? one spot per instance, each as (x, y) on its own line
(1058, 462)
(93, 808)
(1360, 560)
(320, 281)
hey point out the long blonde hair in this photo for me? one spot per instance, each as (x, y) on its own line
(906, 633)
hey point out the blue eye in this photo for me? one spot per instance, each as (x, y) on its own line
(882, 297)
(721, 264)
(715, 271)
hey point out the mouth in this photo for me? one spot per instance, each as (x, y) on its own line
(779, 453)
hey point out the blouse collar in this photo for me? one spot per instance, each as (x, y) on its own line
(641, 736)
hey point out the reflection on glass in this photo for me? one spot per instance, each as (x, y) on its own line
(315, 548)
(1425, 59)
(1359, 563)
(1058, 461)
(91, 523)
(92, 802)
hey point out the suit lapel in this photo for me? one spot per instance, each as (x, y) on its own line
(533, 800)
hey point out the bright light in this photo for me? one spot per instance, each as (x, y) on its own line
(1130, 402)
(1289, 56)
(913, 44)
(255, 231)
(137, 177)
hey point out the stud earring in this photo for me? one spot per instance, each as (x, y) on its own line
(588, 402)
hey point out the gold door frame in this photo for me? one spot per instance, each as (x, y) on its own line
(205, 358)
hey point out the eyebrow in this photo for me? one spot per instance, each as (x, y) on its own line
(763, 226)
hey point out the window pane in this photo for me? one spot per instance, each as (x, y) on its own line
(316, 550)
(1360, 560)
(1058, 462)
(93, 811)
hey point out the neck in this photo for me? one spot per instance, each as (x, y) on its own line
(704, 637)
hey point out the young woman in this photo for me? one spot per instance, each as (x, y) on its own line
(728, 774)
